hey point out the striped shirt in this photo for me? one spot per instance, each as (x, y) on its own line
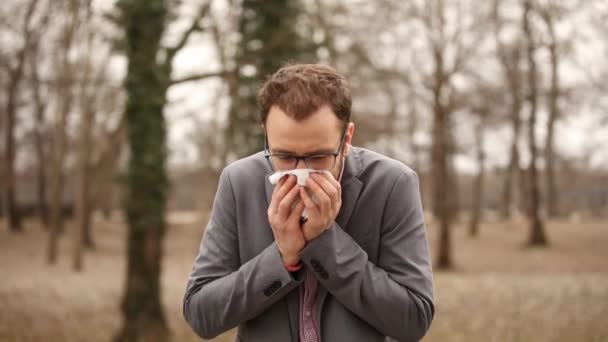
(309, 327)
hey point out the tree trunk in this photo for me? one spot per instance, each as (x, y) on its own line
(512, 171)
(2, 181)
(57, 179)
(509, 58)
(87, 233)
(82, 203)
(552, 199)
(103, 171)
(441, 167)
(146, 182)
(65, 97)
(81, 207)
(391, 124)
(40, 171)
(523, 185)
(441, 183)
(39, 144)
(514, 164)
(412, 128)
(443, 207)
(509, 176)
(479, 180)
(12, 216)
(453, 186)
(537, 234)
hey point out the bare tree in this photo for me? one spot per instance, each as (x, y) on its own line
(478, 185)
(82, 203)
(441, 39)
(16, 71)
(537, 233)
(559, 49)
(147, 82)
(40, 106)
(554, 114)
(40, 137)
(509, 56)
(412, 128)
(595, 73)
(97, 97)
(64, 106)
(106, 148)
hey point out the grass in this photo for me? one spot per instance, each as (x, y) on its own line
(498, 291)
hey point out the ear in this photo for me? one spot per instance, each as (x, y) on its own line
(350, 132)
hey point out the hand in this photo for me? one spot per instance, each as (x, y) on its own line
(285, 220)
(322, 212)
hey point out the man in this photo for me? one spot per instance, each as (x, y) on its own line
(357, 269)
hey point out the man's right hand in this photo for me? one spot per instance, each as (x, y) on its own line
(285, 221)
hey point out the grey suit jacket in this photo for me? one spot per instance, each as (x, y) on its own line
(373, 264)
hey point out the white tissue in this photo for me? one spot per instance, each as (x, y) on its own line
(302, 175)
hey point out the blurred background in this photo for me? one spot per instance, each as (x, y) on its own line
(118, 116)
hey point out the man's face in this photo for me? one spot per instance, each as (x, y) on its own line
(319, 133)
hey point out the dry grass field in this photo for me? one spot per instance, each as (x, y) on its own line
(499, 291)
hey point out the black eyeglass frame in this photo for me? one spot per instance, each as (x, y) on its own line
(268, 155)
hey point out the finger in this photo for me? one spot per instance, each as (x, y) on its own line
(279, 184)
(287, 202)
(281, 192)
(329, 188)
(308, 202)
(323, 200)
(333, 181)
(296, 212)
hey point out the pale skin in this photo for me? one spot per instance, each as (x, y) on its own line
(319, 132)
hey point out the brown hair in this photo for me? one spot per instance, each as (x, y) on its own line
(301, 89)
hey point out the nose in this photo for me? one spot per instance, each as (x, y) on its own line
(301, 164)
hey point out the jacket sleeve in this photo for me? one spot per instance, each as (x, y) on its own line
(221, 293)
(395, 295)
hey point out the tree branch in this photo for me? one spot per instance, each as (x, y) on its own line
(194, 27)
(198, 77)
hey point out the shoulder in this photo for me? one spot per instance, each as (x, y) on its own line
(375, 167)
(246, 171)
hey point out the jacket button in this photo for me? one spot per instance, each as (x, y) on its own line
(272, 288)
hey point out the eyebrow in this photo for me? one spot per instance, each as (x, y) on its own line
(312, 153)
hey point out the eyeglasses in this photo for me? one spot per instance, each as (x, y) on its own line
(285, 162)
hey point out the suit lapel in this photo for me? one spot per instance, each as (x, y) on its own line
(351, 188)
(350, 195)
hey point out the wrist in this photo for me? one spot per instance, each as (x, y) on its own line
(310, 234)
(293, 267)
(291, 260)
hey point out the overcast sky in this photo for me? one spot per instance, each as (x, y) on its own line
(193, 102)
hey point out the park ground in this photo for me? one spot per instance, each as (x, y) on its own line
(499, 290)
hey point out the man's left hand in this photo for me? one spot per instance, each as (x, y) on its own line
(322, 212)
